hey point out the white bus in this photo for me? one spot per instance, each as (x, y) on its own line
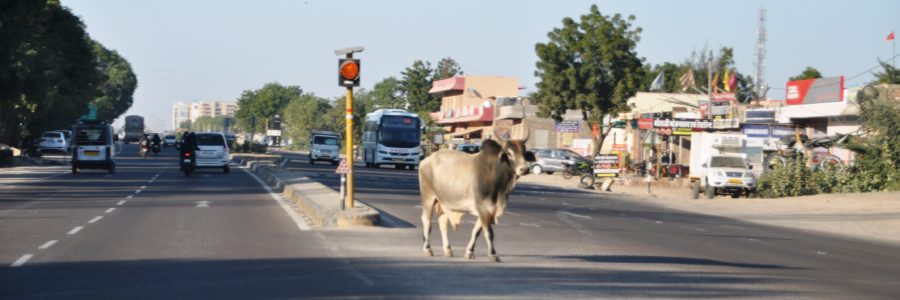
(392, 137)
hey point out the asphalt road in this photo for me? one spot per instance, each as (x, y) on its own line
(149, 232)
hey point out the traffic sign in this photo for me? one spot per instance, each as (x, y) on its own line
(343, 167)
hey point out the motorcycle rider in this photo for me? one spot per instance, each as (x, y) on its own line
(188, 145)
(157, 143)
(144, 145)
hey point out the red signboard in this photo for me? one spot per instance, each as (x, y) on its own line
(645, 123)
(724, 97)
(812, 91)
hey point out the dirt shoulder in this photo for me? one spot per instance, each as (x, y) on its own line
(872, 216)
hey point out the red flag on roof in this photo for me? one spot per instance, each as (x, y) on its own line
(890, 37)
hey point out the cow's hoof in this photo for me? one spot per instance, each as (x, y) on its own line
(470, 255)
(429, 253)
(448, 253)
(493, 258)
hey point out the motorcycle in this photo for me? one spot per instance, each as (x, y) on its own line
(156, 148)
(579, 168)
(144, 150)
(187, 163)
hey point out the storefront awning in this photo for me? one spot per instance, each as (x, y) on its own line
(465, 115)
(449, 84)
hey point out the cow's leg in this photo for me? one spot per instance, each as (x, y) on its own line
(443, 220)
(427, 207)
(486, 222)
(470, 249)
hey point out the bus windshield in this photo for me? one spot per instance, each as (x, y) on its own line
(399, 131)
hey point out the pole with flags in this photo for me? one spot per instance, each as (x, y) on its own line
(890, 37)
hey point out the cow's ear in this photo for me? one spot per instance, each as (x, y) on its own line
(529, 156)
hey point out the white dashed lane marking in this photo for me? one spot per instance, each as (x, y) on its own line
(574, 215)
(137, 191)
(95, 219)
(48, 244)
(129, 197)
(75, 230)
(121, 202)
(22, 260)
(111, 209)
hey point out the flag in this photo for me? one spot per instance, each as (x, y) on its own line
(732, 82)
(715, 85)
(658, 82)
(890, 37)
(725, 82)
(687, 80)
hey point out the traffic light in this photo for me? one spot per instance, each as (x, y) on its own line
(348, 72)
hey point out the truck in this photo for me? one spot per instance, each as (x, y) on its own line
(134, 129)
(719, 166)
(324, 145)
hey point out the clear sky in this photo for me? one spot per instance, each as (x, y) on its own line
(215, 49)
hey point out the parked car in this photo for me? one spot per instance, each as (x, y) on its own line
(553, 160)
(169, 140)
(213, 150)
(53, 141)
(6, 155)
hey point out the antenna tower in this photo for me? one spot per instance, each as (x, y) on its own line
(760, 82)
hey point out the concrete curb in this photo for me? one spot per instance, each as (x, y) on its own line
(319, 202)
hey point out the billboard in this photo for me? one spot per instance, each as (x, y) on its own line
(812, 91)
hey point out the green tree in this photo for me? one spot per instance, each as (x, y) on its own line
(446, 68)
(887, 75)
(388, 93)
(589, 65)
(186, 125)
(263, 103)
(416, 82)
(118, 82)
(303, 114)
(48, 74)
(808, 73)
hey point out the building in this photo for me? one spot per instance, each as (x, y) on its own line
(467, 105)
(181, 112)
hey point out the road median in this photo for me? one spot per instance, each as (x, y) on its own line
(320, 203)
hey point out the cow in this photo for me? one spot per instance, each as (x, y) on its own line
(453, 183)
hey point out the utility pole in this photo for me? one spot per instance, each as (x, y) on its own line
(760, 81)
(348, 76)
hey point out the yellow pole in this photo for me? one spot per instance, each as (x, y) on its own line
(348, 121)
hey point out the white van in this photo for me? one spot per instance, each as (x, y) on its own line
(212, 150)
(324, 146)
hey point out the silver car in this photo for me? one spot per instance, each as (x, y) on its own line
(212, 150)
(552, 160)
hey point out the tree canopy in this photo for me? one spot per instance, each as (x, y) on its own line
(118, 82)
(416, 82)
(888, 74)
(590, 64)
(264, 103)
(808, 73)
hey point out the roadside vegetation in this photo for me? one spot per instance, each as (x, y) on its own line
(877, 165)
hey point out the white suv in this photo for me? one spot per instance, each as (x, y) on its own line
(54, 141)
(212, 150)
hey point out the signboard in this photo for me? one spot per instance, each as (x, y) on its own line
(704, 109)
(728, 141)
(781, 131)
(606, 165)
(582, 146)
(273, 132)
(567, 126)
(682, 131)
(343, 167)
(645, 123)
(726, 123)
(723, 97)
(91, 113)
(619, 147)
(812, 91)
(719, 110)
(766, 131)
(685, 123)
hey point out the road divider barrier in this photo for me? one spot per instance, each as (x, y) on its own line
(319, 202)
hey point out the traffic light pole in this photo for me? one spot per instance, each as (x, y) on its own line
(348, 121)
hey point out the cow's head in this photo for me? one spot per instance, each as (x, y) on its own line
(513, 153)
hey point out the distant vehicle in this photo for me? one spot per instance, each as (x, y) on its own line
(469, 148)
(212, 150)
(53, 141)
(230, 138)
(93, 147)
(393, 137)
(554, 160)
(718, 166)
(134, 129)
(324, 146)
(169, 140)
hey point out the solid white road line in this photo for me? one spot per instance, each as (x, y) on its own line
(75, 230)
(95, 219)
(111, 209)
(22, 260)
(287, 208)
(47, 244)
(121, 202)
